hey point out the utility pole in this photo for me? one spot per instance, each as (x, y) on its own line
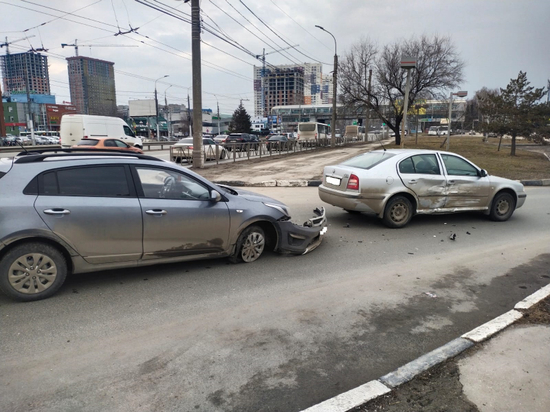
(334, 87)
(198, 157)
(2, 122)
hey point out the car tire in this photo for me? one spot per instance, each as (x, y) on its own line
(502, 207)
(398, 212)
(250, 245)
(44, 267)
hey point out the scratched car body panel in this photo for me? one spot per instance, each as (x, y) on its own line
(397, 184)
(74, 211)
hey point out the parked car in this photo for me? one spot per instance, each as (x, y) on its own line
(84, 211)
(221, 138)
(242, 141)
(397, 184)
(104, 143)
(280, 142)
(210, 148)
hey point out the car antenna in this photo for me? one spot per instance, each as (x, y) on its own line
(22, 147)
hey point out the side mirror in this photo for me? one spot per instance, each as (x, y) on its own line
(483, 173)
(215, 196)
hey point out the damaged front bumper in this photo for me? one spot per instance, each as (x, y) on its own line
(305, 238)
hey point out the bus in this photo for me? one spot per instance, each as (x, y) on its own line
(311, 131)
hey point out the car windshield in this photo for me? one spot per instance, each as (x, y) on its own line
(88, 142)
(368, 160)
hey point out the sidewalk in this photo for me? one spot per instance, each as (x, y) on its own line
(296, 169)
(501, 366)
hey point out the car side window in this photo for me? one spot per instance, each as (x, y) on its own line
(109, 143)
(96, 181)
(120, 143)
(457, 166)
(425, 164)
(170, 184)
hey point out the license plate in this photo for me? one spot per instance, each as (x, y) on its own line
(333, 181)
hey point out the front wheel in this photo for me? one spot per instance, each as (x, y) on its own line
(398, 212)
(32, 271)
(502, 207)
(250, 245)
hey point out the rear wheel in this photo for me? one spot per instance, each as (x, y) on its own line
(398, 212)
(250, 245)
(32, 271)
(502, 207)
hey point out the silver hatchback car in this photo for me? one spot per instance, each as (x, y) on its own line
(397, 184)
(77, 210)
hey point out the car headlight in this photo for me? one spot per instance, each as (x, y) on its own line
(281, 208)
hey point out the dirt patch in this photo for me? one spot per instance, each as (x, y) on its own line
(439, 389)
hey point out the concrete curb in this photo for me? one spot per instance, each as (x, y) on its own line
(304, 182)
(271, 183)
(365, 393)
(538, 182)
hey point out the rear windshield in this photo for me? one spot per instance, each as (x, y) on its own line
(368, 160)
(88, 142)
(307, 127)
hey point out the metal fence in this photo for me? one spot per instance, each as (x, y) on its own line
(251, 150)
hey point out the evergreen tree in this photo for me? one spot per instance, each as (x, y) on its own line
(515, 110)
(240, 123)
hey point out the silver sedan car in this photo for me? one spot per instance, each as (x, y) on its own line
(396, 184)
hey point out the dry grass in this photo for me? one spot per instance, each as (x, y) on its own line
(525, 165)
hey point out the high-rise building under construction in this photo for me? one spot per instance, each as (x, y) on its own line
(92, 85)
(25, 72)
(287, 85)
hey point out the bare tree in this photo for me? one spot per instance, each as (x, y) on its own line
(438, 69)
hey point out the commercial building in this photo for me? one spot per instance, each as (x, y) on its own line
(25, 72)
(92, 85)
(46, 117)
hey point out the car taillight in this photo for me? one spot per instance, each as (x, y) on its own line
(353, 182)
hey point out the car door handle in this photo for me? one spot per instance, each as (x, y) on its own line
(413, 181)
(451, 182)
(57, 211)
(156, 212)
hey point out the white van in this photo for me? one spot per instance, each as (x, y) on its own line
(75, 127)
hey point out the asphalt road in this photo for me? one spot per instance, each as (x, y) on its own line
(280, 334)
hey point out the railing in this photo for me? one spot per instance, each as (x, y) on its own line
(246, 150)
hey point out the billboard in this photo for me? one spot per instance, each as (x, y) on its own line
(142, 108)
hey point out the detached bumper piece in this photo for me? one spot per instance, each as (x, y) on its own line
(303, 239)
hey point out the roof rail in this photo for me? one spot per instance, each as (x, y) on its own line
(32, 156)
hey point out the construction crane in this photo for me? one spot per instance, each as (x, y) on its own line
(262, 58)
(7, 43)
(76, 45)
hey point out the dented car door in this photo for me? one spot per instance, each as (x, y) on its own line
(466, 188)
(421, 173)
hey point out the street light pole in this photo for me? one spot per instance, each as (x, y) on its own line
(334, 88)
(157, 105)
(166, 112)
(459, 94)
